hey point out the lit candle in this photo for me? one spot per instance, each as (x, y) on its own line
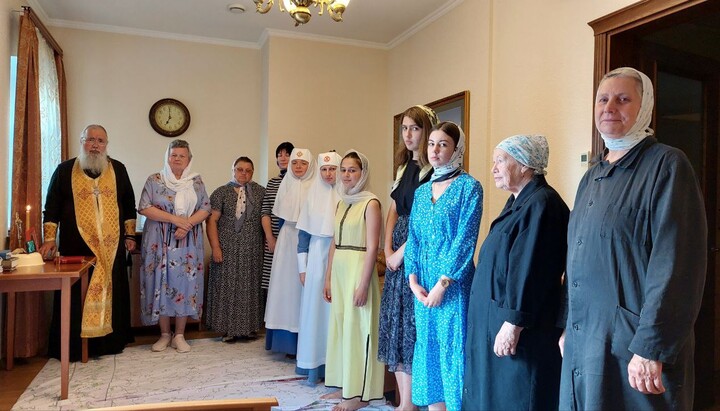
(27, 217)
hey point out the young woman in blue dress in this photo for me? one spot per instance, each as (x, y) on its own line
(439, 252)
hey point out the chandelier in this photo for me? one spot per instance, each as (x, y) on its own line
(300, 9)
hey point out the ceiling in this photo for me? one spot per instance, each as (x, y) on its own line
(372, 23)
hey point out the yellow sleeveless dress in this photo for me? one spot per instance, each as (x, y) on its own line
(352, 349)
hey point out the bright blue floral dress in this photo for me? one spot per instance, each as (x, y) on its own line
(171, 275)
(441, 241)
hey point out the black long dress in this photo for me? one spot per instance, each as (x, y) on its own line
(60, 209)
(233, 303)
(518, 280)
(397, 310)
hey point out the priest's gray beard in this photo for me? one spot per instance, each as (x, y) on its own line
(92, 162)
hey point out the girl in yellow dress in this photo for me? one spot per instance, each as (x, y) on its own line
(351, 286)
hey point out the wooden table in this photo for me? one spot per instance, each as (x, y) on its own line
(47, 277)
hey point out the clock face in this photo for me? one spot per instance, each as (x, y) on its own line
(169, 117)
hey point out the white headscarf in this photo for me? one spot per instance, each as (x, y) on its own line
(317, 215)
(357, 194)
(456, 160)
(185, 197)
(641, 128)
(293, 189)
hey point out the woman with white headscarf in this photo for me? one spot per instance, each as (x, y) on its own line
(636, 263)
(316, 225)
(517, 287)
(175, 203)
(444, 225)
(352, 288)
(282, 312)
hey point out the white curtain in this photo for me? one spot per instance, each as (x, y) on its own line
(50, 129)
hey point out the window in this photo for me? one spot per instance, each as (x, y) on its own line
(11, 132)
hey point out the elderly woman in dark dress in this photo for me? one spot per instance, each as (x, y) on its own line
(234, 305)
(511, 357)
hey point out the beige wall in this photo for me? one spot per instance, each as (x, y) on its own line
(326, 96)
(528, 66)
(542, 81)
(113, 80)
(449, 56)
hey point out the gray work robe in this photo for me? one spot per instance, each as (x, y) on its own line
(637, 255)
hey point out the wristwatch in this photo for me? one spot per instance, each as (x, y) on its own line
(445, 282)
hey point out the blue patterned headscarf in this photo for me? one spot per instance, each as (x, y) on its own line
(528, 149)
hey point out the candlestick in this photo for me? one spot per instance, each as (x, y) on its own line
(27, 217)
(19, 229)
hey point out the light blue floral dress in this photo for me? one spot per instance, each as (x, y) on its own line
(171, 275)
(441, 241)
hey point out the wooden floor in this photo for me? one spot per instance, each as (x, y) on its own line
(15, 382)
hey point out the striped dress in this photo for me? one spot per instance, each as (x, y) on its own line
(267, 205)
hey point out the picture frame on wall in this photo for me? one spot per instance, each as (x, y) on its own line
(455, 108)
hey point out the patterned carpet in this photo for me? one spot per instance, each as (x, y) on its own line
(212, 370)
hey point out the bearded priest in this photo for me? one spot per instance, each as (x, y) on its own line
(90, 210)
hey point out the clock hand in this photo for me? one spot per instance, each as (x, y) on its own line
(169, 116)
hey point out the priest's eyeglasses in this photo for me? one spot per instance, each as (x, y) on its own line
(92, 141)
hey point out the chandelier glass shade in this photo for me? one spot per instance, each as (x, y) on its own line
(300, 9)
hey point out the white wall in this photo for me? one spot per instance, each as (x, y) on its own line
(114, 79)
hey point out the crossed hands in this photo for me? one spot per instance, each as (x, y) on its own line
(183, 225)
(429, 299)
(393, 260)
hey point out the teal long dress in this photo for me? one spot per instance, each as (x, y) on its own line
(441, 241)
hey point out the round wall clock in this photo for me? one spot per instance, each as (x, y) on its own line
(169, 117)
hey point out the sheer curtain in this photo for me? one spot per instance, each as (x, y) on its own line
(50, 126)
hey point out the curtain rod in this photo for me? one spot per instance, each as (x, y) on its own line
(43, 30)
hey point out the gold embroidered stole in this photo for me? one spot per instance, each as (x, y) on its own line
(97, 216)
